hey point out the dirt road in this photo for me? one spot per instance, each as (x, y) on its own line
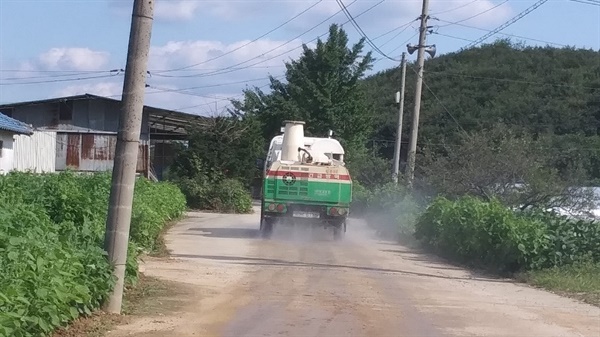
(297, 284)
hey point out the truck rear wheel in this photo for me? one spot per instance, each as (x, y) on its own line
(339, 231)
(266, 227)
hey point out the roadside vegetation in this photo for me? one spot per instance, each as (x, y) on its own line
(54, 267)
(217, 168)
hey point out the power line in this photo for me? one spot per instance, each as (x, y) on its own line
(398, 47)
(588, 2)
(233, 68)
(210, 103)
(511, 80)
(63, 80)
(398, 34)
(406, 25)
(61, 75)
(453, 37)
(219, 72)
(198, 105)
(175, 91)
(507, 23)
(361, 32)
(439, 101)
(505, 34)
(217, 85)
(52, 71)
(455, 8)
(216, 69)
(246, 44)
(476, 15)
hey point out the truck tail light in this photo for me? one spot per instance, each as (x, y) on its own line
(334, 211)
(280, 208)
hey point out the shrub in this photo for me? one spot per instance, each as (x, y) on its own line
(566, 241)
(230, 196)
(45, 282)
(215, 193)
(154, 204)
(489, 234)
(53, 265)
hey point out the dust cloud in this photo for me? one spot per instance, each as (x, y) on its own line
(302, 233)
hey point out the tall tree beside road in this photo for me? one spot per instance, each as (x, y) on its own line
(323, 88)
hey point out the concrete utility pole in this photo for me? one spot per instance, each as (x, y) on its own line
(126, 152)
(412, 146)
(399, 100)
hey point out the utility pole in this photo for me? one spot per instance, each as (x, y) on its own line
(412, 146)
(399, 100)
(130, 121)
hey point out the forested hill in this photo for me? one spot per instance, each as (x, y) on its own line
(544, 90)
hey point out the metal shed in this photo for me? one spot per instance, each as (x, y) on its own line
(86, 130)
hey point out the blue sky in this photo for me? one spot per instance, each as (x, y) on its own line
(71, 45)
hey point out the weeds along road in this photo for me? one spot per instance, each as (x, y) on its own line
(233, 283)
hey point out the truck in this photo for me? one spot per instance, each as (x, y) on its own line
(305, 182)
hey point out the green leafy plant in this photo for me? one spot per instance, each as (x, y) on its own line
(53, 266)
(487, 234)
(229, 195)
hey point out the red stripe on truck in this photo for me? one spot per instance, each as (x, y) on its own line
(309, 175)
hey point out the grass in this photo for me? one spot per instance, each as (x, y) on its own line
(154, 296)
(580, 281)
(161, 249)
(149, 296)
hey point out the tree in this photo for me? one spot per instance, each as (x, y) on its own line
(507, 165)
(322, 88)
(226, 147)
(216, 168)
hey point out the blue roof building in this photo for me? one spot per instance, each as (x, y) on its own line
(14, 126)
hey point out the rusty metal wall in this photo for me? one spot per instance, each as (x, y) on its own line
(93, 152)
(36, 153)
(87, 115)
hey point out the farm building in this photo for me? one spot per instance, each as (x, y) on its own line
(9, 128)
(85, 132)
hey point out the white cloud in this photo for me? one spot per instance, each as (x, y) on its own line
(176, 10)
(209, 55)
(386, 15)
(80, 59)
(176, 54)
(106, 89)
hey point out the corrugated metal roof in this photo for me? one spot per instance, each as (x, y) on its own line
(13, 125)
(160, 120)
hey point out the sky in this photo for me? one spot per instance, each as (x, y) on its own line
(203, 53)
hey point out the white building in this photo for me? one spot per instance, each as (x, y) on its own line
(10, 127)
